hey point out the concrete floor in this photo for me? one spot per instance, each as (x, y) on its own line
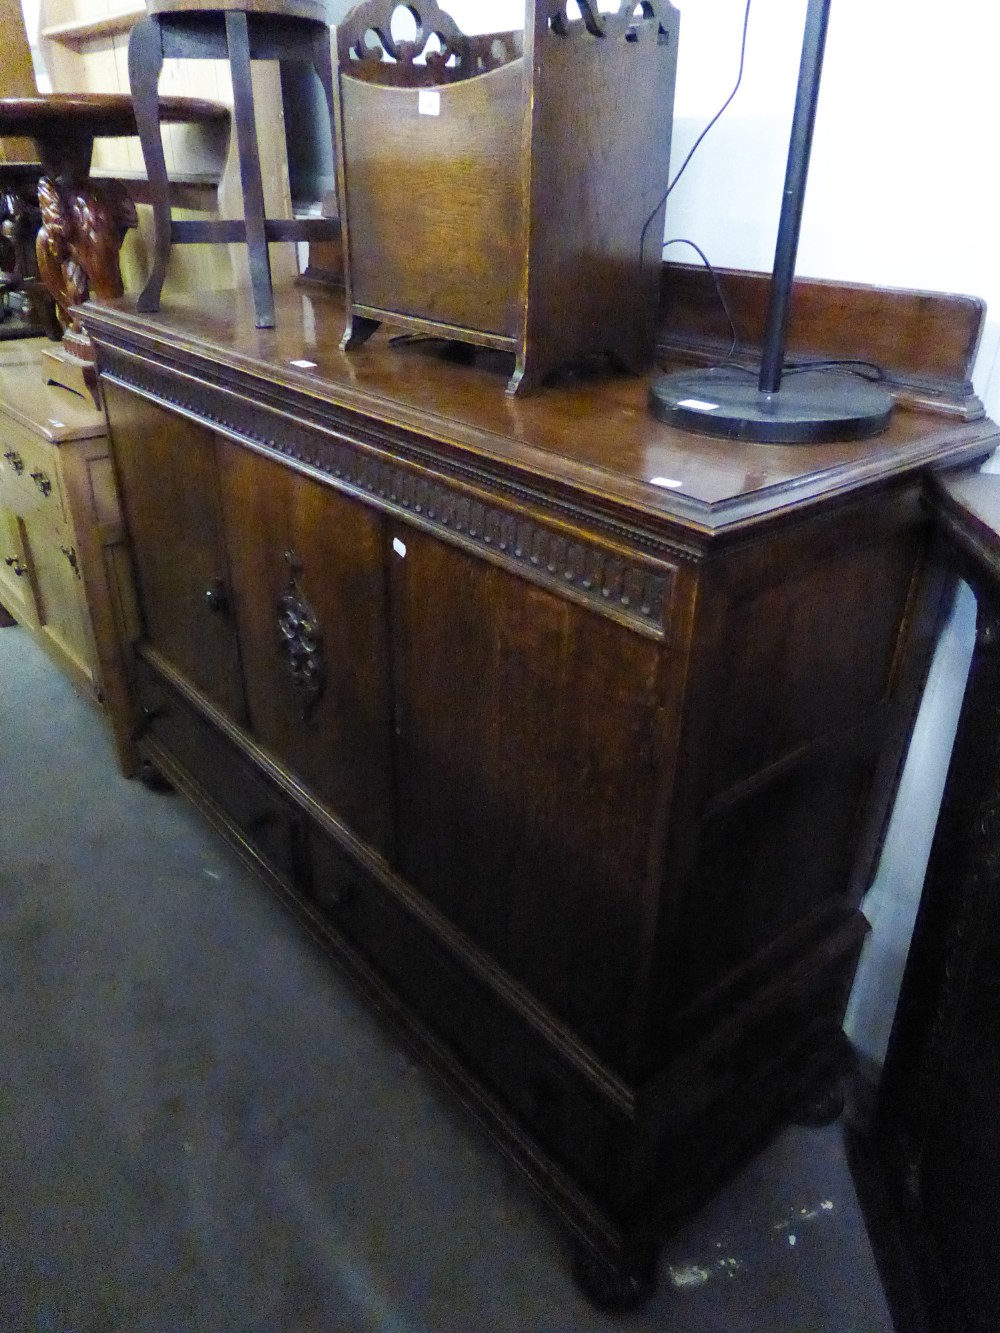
(201, 1128)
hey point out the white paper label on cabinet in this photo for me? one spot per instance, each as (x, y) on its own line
(429, 102)
(668, 483)
(303, 365)
(399, 547)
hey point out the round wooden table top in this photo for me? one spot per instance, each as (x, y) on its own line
(288, 9)
(103, 115)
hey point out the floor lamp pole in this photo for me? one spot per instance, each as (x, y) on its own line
(809, 406)
(793, 199)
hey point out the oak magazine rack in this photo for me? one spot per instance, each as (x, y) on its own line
(507, 190)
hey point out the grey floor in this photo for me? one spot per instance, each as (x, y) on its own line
(201, 1128)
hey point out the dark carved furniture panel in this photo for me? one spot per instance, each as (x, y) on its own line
(568, 735)
(310, 602)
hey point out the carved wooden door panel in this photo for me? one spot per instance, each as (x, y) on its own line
(527, 749)
(309, 590)
(169, 482)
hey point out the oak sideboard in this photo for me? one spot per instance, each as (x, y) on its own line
(63, 569)
(570, 735)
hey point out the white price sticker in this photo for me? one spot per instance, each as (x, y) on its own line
(698, 405)
(668, 483)
(303, 365)
(429, 102)
(399, 547)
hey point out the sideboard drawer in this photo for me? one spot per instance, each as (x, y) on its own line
(575, 1119)
(29, 474)
(264, 821)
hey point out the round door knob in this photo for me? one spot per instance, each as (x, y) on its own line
(216, 598)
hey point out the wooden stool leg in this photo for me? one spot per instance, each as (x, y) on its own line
(237, 36)
(145, 61)
(323, 65)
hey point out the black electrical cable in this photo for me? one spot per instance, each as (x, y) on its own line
(866, 370)
(683, 240)
(697, 143)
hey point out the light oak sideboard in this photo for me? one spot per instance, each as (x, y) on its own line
(569, 735)
(63, 570)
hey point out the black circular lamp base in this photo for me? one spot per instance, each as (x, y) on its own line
(811, 406)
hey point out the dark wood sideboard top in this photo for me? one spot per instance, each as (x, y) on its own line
(587, 438)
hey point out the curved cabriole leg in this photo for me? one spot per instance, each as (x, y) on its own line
(528, 374)
(145, 61)
(614, 1287)
(517, 380)
(359, 329)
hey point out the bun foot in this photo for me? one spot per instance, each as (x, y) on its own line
(151, 777)
(614, 1288)
(822, 1107)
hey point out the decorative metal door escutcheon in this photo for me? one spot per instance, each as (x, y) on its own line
(301, 642)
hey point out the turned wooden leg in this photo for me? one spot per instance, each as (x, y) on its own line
(145, 61)
(238, 38)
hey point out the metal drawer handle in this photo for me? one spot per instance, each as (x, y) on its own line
(15, 564)
(15, 460)
(42, 482)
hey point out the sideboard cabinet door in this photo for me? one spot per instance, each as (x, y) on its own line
(308, 575)
(17, 578)
(527, 740)
(62, 610)
(169, 483)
